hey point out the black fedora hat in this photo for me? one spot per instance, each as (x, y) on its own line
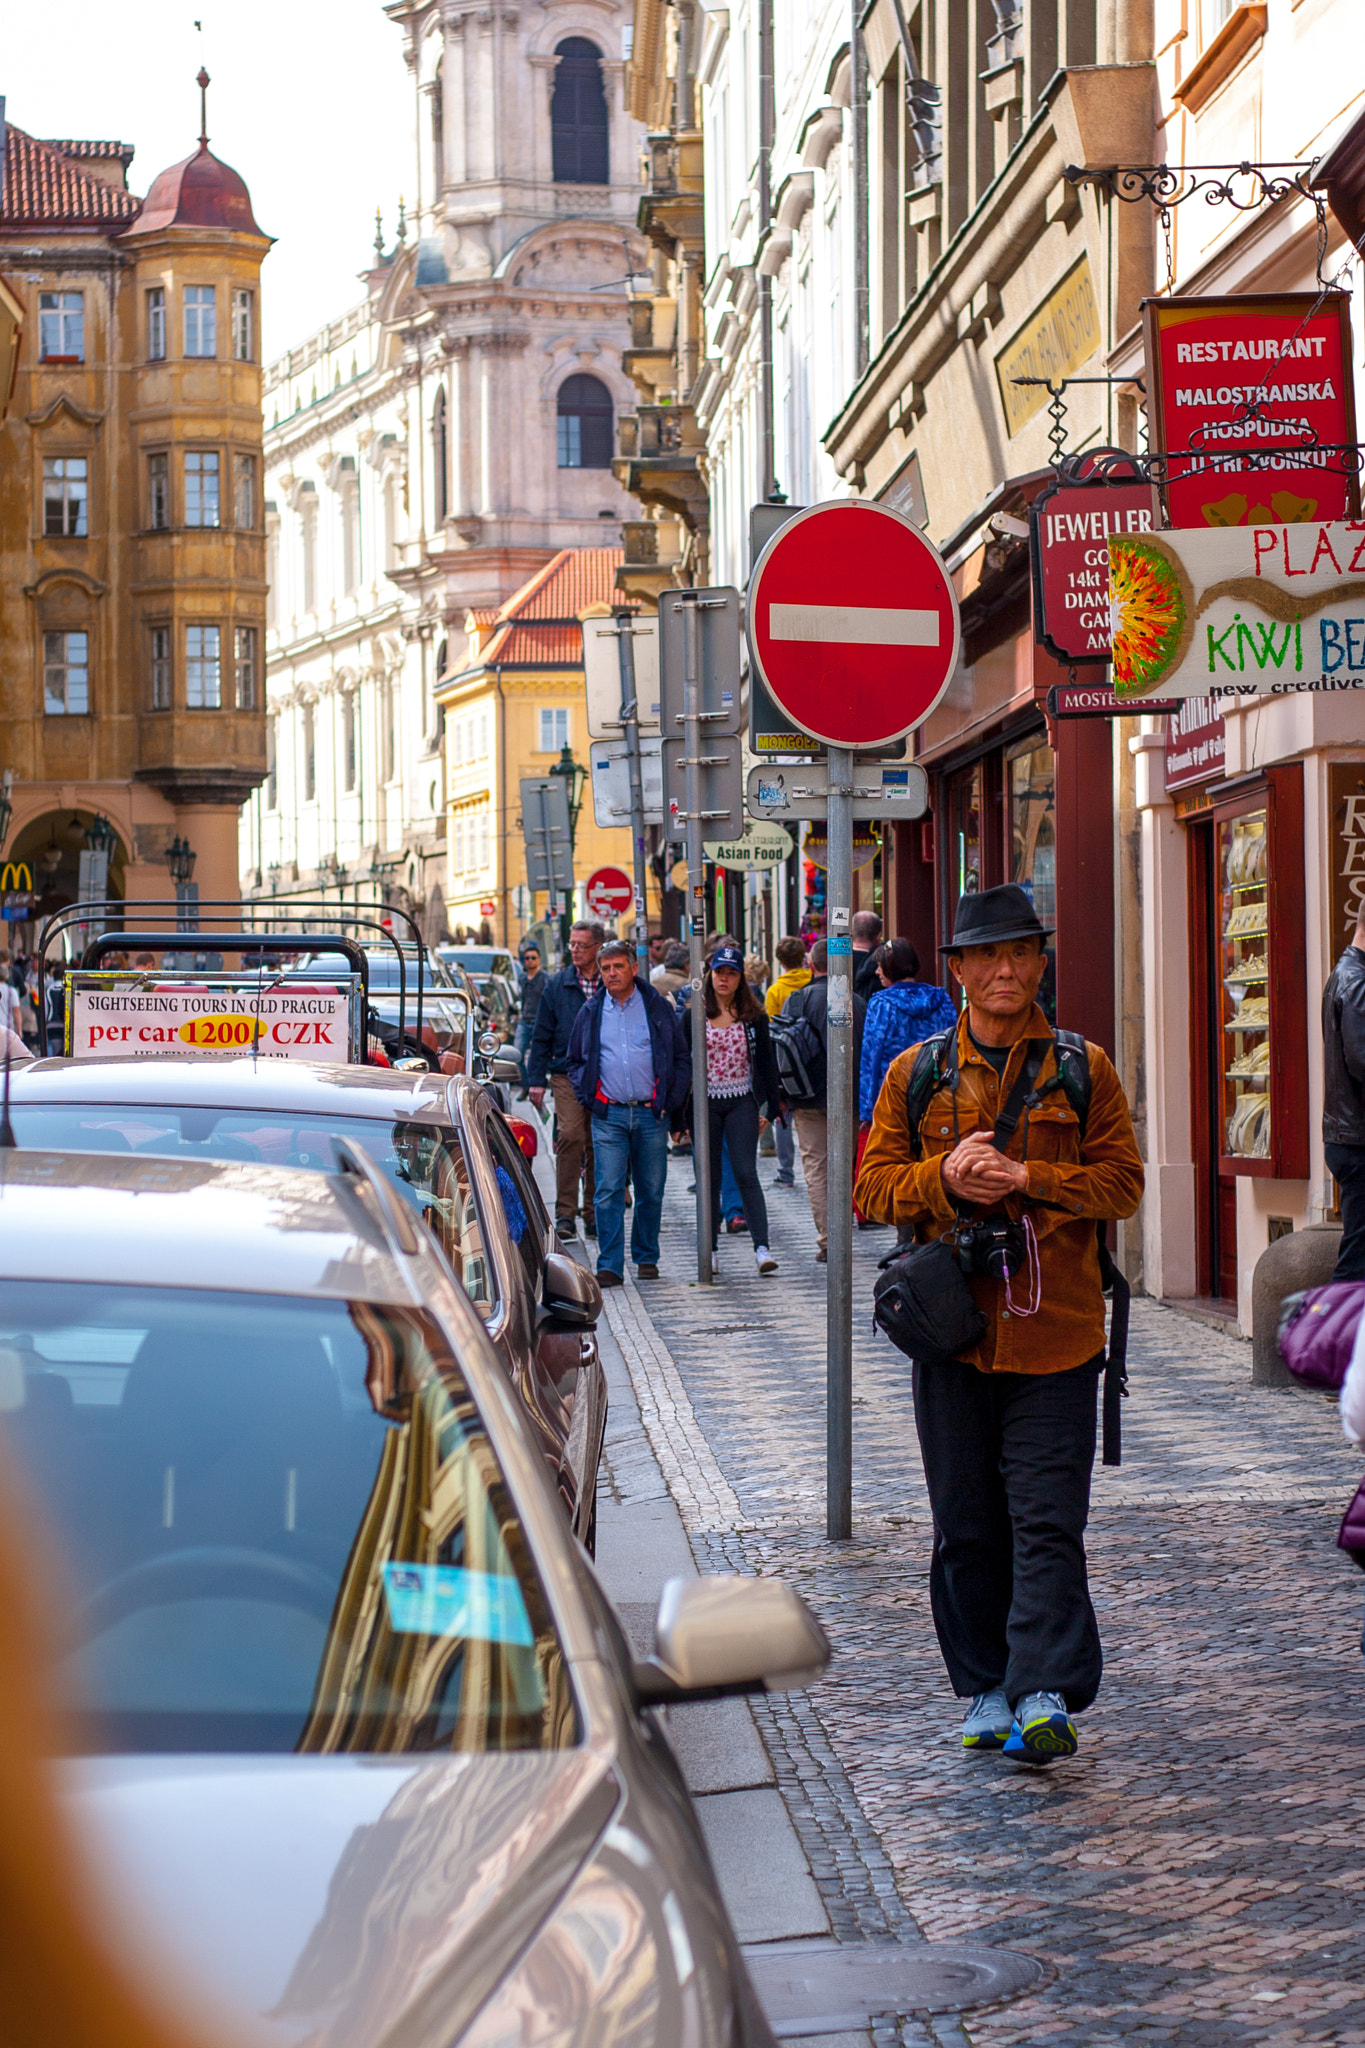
(993, 915)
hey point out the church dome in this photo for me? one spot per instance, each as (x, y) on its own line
(201, 192)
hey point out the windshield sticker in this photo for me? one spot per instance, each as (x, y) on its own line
(446, 1600)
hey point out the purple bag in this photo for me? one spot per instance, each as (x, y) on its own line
(1351, 1534)
(1318, 1332)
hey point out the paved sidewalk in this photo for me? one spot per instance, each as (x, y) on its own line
(1192, 1876)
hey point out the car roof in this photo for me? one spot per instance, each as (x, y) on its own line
(234, 1081)
(196, 1223)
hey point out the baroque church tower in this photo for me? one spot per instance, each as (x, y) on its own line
(511, 298)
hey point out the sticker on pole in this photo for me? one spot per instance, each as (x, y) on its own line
(609, 893)
(853, 623)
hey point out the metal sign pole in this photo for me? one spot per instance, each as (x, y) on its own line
(840, 1136)
(630, 719)
(696, 929)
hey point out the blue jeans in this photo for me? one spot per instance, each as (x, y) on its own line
(633, 1141)
(731, 1203)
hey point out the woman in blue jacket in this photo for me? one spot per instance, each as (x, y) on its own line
(901, 1013)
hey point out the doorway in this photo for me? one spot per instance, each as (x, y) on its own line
(1215, 1193)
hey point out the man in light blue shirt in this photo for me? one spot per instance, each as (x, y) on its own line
(629, 1068)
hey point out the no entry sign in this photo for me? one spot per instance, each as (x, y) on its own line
(609, 893)
(853, 623)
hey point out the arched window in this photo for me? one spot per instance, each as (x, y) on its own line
(440, 457)
(578, 115)
(585, 419)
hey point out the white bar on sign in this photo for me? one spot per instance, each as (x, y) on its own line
(866, 624)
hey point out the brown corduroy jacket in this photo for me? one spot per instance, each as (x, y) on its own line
(1070, 1186)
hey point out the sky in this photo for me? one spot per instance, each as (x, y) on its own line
(312, 103)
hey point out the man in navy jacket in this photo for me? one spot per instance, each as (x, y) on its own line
(629, 1068)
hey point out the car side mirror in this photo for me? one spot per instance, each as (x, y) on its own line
(569, 1292)
(719, 1637)
(504, 1070)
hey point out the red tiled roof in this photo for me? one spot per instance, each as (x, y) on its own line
(92, 151)
(570, 581)
(538, 626)
(43, 189)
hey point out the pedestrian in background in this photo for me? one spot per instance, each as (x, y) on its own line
(812, 1122)
(658, 946)
(790, 954)
(902, 1011)
(628, 1069)
(1343, 1099)
(533, 979)
(672, 974)
(564, 996)
(742, 1090)
(867, 935)
(1007, 1429)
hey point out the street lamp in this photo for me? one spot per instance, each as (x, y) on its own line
(180, 859)
(573, 776)
(100, 837)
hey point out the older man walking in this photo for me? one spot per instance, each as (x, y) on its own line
(1002, 1125)
(629, 1069)
(564, 996)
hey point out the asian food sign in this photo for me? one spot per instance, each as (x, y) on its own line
(1251, 399)
(1247, 611)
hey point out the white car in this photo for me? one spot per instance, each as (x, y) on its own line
(363, 1754)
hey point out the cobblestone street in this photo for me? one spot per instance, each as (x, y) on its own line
(1191, 1876)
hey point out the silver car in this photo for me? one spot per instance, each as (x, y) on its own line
(445, 1148)
(362, 1751)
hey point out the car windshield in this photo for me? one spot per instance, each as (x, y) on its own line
(384, 972)
(479, 959)
(425, 1161)
(282, 1525)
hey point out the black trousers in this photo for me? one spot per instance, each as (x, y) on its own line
(1007, 1457)
(735, 1118)
(1346, 1164)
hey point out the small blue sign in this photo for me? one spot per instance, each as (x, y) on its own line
(445, 1600)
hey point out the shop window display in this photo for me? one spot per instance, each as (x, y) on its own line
(1243, 860)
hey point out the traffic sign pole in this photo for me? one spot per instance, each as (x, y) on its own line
(630, 720)
(839, 1125)
(696, 929)
(854, 628)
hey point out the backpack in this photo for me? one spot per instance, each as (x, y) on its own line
(932, 1065)
(802, 1068)
(1317, 1332)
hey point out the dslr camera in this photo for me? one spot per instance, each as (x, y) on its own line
(989, 1249)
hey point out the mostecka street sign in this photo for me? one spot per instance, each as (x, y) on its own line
(1251, 611)
(853, 623)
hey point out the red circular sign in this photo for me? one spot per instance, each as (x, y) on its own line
(853, 623)
(609, 893)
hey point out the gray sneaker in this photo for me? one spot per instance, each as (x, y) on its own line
(987, 1721)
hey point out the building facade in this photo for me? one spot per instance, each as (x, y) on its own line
(437, 445)
(132, 545)
(924, 282)
(512, 708)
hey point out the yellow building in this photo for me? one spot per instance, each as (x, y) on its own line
(511, 709)
(132, 540)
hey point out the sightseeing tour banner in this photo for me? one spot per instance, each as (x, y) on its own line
(113, 1018)
(1227, 612)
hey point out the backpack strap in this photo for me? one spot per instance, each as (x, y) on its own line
(1073, 1074)
(1114, 1283)
(935, 1060)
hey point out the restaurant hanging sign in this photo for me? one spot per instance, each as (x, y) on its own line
(1249, 611)
(1069, 528)
(1251, 399)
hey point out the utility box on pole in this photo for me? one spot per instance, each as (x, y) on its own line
(713, 617)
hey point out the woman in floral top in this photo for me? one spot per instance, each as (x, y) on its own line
(741, 1075)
